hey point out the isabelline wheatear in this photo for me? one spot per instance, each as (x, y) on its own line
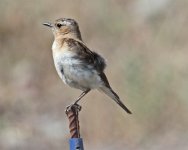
(76, 64)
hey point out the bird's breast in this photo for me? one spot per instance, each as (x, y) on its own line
(73, 72)
(63, 62)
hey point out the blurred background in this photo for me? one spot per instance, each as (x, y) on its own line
(145, 43)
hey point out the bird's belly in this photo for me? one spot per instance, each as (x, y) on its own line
(80, 77)
(76, 74)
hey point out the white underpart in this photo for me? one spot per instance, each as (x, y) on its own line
(75, 74)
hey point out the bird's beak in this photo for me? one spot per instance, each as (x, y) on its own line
(48, 24)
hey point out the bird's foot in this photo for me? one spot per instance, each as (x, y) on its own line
(73, 107)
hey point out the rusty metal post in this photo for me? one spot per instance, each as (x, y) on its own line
(72, 113)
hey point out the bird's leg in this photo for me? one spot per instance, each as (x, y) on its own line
(81, 96)
(78, 99)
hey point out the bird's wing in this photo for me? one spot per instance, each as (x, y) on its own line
(89, 57)
(104, 79)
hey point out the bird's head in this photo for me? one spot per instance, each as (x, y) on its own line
(65, 27)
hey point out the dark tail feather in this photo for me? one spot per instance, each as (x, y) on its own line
(115, 97)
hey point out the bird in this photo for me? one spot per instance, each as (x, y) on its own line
(77, 65)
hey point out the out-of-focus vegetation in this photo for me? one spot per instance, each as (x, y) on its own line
(145, 43)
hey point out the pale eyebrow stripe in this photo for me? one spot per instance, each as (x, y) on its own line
(66, 22)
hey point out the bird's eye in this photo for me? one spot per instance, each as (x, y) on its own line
(59, 25)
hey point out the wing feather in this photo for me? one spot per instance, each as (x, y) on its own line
(88, 57)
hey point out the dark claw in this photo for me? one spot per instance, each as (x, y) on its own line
(73, 107)
(78, 107)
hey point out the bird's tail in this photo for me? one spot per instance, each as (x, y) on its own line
(108, 91)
